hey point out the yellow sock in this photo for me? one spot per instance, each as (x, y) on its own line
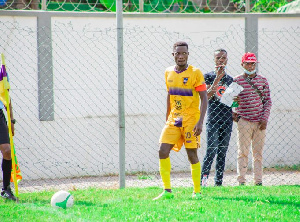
(165, 172)
(196, 172)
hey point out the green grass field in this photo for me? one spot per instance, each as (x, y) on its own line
(244, 203)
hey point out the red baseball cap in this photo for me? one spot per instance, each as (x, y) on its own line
(249, 57)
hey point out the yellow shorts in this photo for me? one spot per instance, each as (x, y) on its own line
(179, 136)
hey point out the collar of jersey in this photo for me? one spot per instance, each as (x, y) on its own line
(178, 72)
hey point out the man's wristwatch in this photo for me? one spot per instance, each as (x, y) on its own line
(13, 121)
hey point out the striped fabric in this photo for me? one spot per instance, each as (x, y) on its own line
(251, 107)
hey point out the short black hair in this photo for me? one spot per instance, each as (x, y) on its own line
(220, 50)
(180, 43)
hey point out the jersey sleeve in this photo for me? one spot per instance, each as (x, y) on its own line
(2, 94)
(199, 81)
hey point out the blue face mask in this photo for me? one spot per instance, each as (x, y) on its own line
(248, 72)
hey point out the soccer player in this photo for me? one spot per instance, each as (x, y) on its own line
(185, 86)
(6, 152)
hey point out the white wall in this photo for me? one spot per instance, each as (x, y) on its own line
(83, 139)
(280, 63)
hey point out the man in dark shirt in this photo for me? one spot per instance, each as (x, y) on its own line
(219, 119)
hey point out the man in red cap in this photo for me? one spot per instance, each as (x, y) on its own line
(251, 116)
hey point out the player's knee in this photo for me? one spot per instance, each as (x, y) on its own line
(194, 160)
(6, 153)
(163, 154)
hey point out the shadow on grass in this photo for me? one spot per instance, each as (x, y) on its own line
(33, 201)
(253, 200)
(47, 202)
(88, 204)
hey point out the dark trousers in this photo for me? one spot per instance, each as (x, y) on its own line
(218, 137)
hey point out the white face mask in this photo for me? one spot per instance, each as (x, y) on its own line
(248, 72)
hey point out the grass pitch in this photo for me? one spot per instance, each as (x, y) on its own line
(244, 203)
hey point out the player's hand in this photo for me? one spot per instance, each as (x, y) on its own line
(197, 129)
(262, 125)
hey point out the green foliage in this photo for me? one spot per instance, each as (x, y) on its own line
(268, 6)
(163, 6)
(247, 203)
(262, 5)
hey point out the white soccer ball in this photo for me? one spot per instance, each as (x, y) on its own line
(62, 199)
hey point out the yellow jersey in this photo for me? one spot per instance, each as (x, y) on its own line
(183, 88)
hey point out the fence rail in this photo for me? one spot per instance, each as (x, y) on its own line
(148, 6)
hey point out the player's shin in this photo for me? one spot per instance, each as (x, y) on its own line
(196, 174)
(165, 172)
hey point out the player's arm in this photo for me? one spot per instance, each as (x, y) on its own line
(168, 106)
(203, 108)
(203, 97)
(266, 106)
(12, 117)
(168, 96)
(210, 91)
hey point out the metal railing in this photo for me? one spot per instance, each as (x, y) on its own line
(148, 6)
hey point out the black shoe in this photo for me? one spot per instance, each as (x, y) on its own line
(218, 184)
(7, 194)
(258, 184)
(242, 184)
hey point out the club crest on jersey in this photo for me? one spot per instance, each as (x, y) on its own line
(185, 79)
(178, 104)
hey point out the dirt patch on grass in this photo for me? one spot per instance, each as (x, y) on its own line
(270, 178)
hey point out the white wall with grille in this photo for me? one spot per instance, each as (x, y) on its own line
(82, 140)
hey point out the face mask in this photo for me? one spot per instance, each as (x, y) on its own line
(248, 72)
